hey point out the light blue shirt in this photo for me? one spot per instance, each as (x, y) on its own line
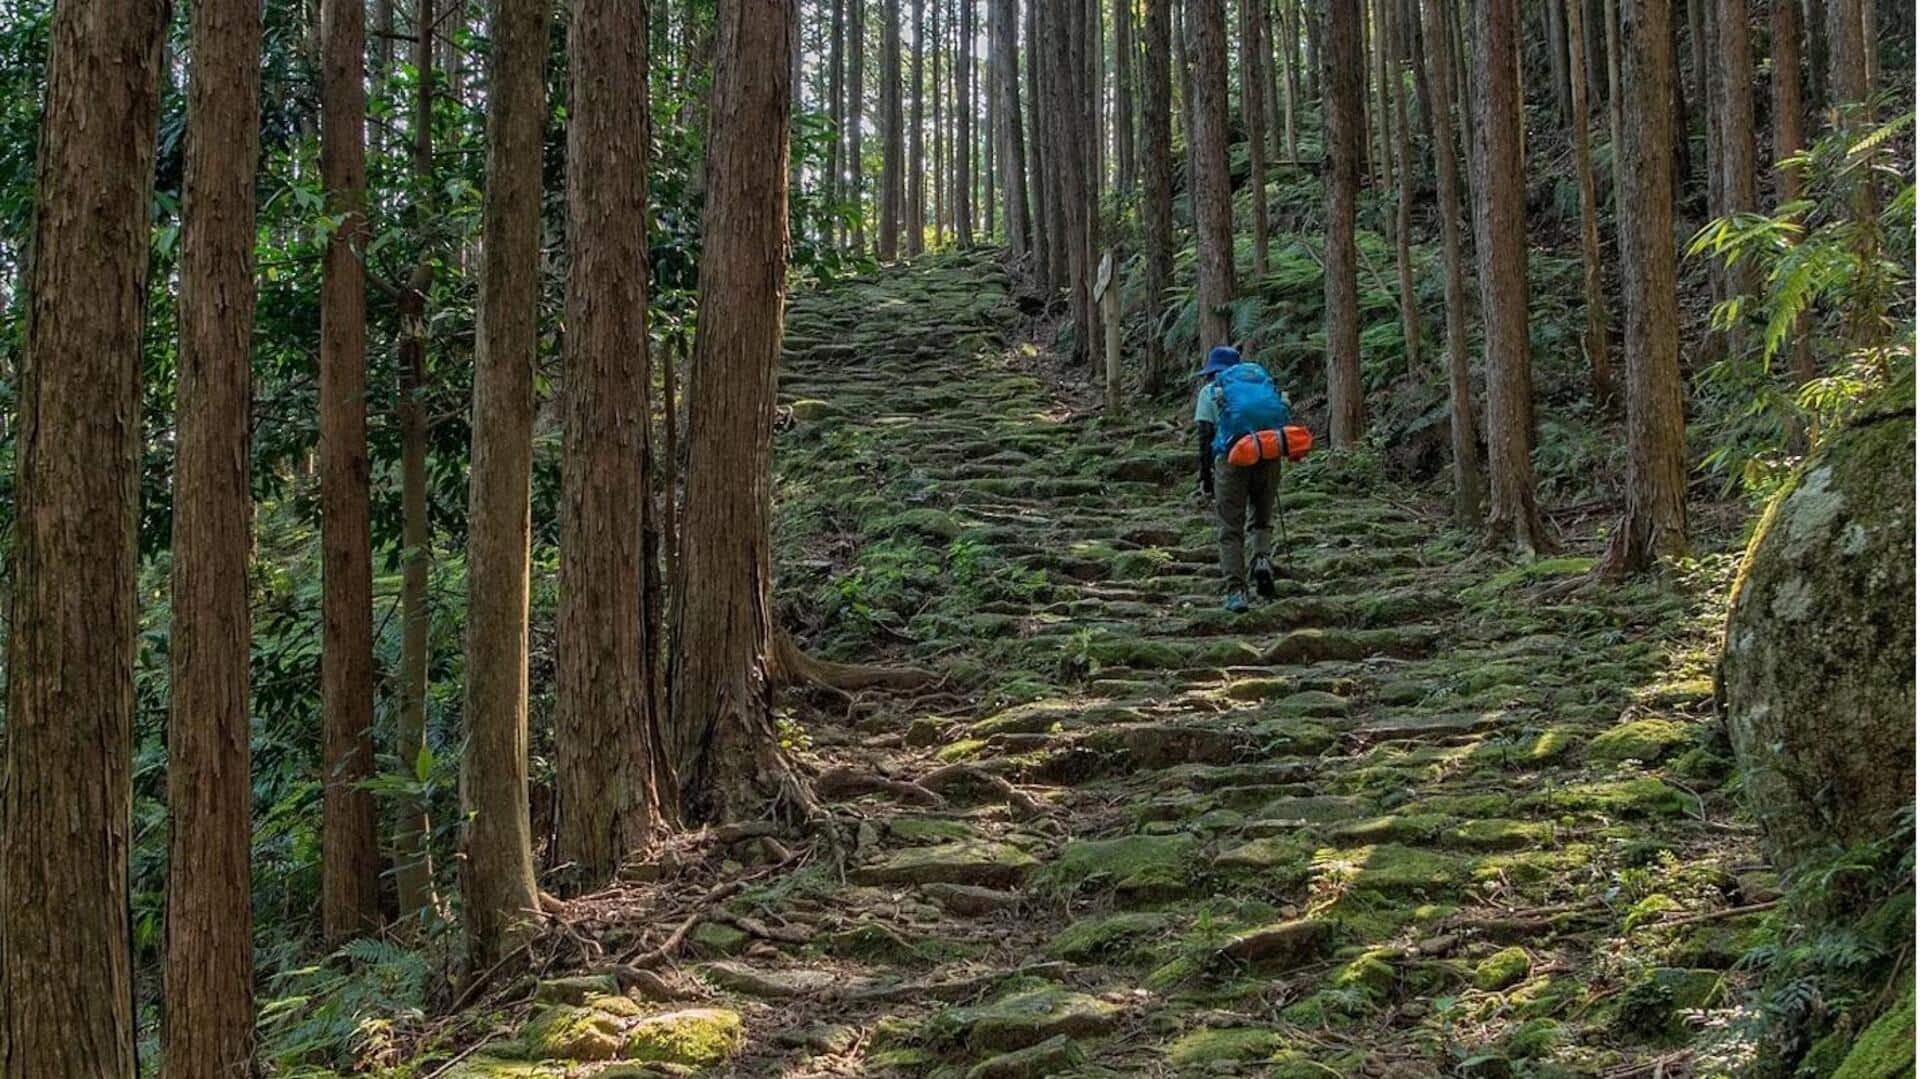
(1206, 406)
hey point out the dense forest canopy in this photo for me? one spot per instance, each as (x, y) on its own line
(505, 498)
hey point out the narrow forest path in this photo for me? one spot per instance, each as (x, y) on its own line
(1412, 818)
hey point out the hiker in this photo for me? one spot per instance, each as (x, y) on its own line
(1241, 418)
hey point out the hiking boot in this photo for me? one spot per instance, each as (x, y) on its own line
(1237, 601)
(1263, 577)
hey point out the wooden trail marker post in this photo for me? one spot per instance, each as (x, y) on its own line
(1108, 297)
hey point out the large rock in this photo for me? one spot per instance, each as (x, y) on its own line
(1817, 680)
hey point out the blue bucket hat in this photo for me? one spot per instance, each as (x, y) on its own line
(1218, 360)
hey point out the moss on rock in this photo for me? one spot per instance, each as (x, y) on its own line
(1818, 670)
(1502, 969)
(1201, 1048)
(1885, 1050)
(694, 1037)
(1651, 740)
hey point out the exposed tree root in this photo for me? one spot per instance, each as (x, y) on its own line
(796, 668)
(954, 774)
(844, 783)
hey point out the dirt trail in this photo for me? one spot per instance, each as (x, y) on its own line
(1409, 819)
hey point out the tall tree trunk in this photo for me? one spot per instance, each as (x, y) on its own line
(1738, 158)
(1212, 187)
(1502, 248)
(1403, 203)
(208, 1022)
(1682, 147)
(1655, 524)
(1345, 80)
(1126, 158)
(1814, 18)
(1005, 32)
(917, 148)
(66, 974)
(941, 151)
(1562, 39)
(837, 105)
(500, 894)
(893, 149)
(1789, 138)
(724, 665)
(1469, 487)
(1157, 181)
(857, 108)
(963, 128)
(605, 729)
(1062, 34)
(1697, 50)
(1316, 85)
(350, 858)
(1380, 131)
(1849, 72)
(412, 853)
(1253, 105)
(1596, 35)
(1594, 340)
(1049, 257)
(1417, 46)
(1290, 57)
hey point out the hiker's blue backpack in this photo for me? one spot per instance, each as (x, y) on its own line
(1247, 401)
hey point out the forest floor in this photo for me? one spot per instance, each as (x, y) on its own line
(1429, 812)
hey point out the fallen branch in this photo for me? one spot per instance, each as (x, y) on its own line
(1716, 915)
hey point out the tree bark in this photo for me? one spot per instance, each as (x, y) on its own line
(605, 730)
(1655, 523)
(857, 107)
(893, 148)
(208, 1021)
(1469, 488)
(1126, 157)
(1290, 26)
(1005, 32)
(837, 108)
(1502, 248)
(1212, 187)
(501, 900)
(350, 858)
(941, 151)
(723, 668)
(1157, 183)
(1344, 78)
(1789, 138)
(412, 853)
(916, 150)
(1593, 340)
(963, 127)
(1403, 203)
(66, 977)
(1253, 105)
(1068, 114)
(1738, 158)
(1561, 41)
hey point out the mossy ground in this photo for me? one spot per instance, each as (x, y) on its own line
(1487, 790)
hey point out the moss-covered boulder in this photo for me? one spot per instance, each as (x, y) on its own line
(1885, 1049)
(1029, 1018)
(694, 1037)
(567, 1032)
(1817, 679)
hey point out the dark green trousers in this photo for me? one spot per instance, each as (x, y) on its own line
(1240, 494)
